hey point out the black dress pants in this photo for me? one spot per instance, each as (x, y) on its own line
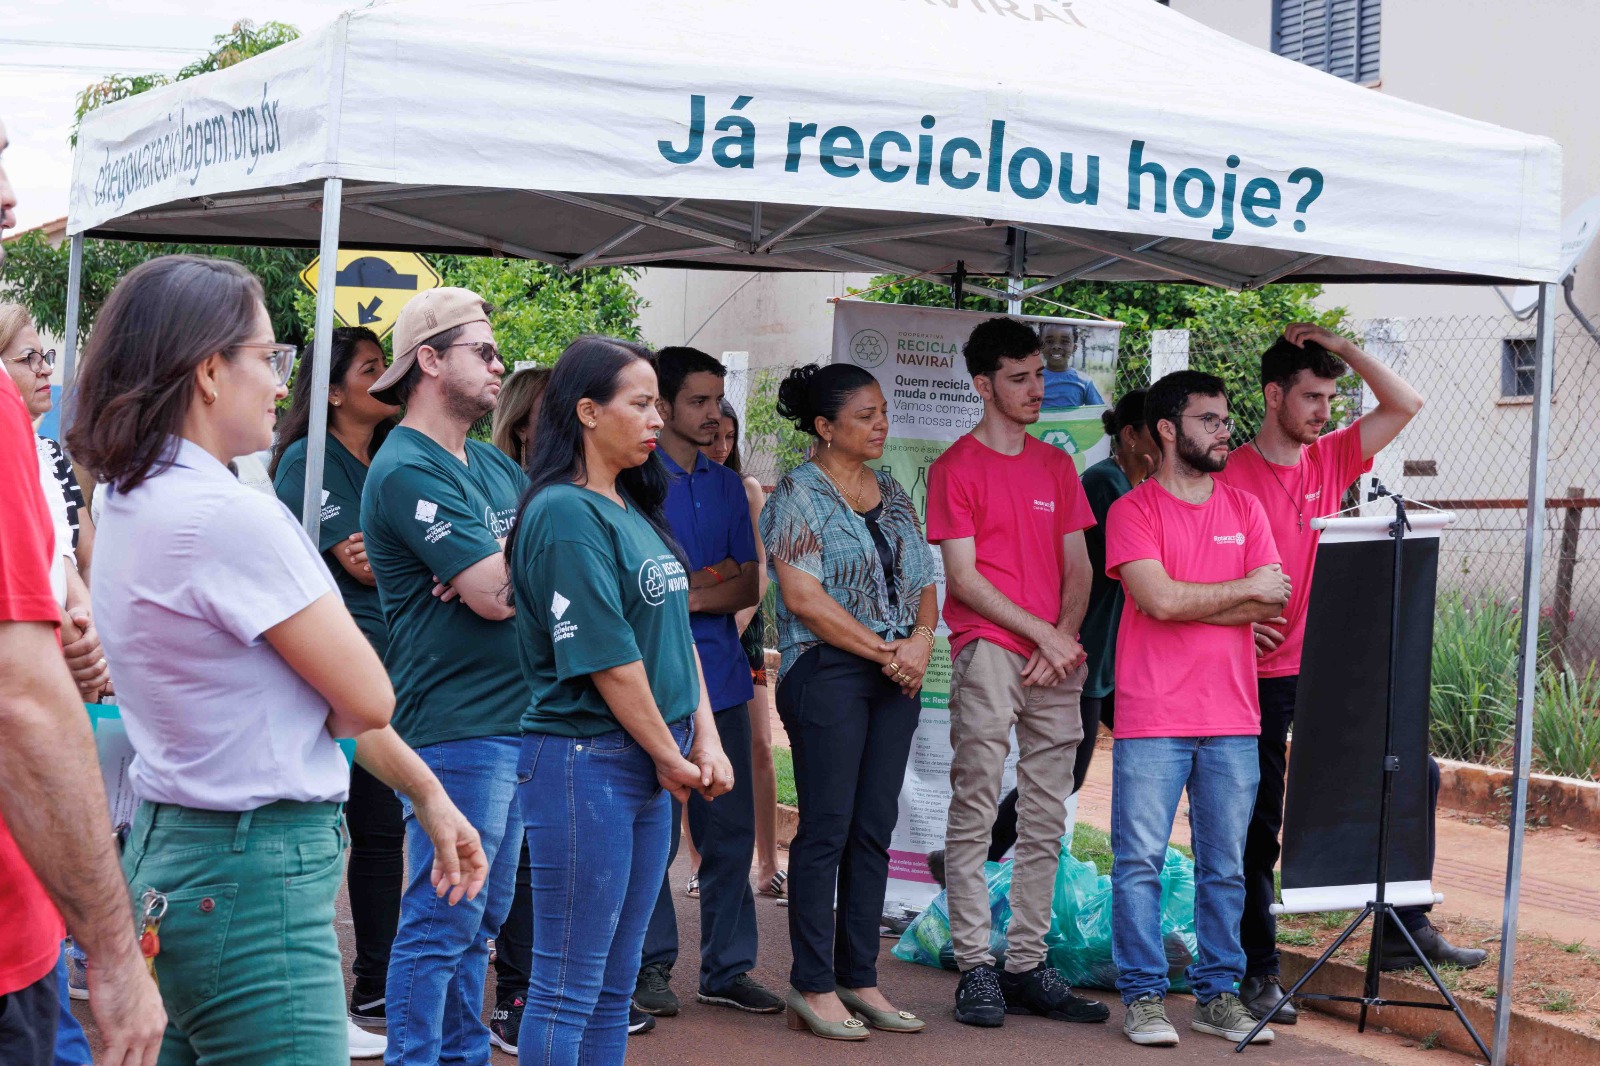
(850, 729)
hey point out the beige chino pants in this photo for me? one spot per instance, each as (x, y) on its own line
(987, 699)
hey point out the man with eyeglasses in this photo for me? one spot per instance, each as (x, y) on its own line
(435, 514)
(1299, 473)
(1199, 564)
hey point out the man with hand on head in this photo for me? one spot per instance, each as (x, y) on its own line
(436, 510)
(1298, 473)
(710, 517)
(1197, 560)
(1008, 514)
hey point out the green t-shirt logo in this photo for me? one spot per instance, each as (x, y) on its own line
(652, 583)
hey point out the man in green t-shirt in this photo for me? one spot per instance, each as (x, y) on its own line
(436, 512)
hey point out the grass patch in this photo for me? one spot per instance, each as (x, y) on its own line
(1574, 948)
(1300, 938)
(1334, 919)
(1092, 845)
(783, 763)
(1430, 1041)
(1559, 1001)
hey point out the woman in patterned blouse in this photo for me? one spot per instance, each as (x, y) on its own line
(856, 611)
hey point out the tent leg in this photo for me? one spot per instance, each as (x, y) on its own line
(1016, 270)
(322, 356)
(1528, 666)
(69, 340)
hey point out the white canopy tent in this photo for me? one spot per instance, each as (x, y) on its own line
(1054, 139)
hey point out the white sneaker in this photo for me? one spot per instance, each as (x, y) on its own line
(365, 1045)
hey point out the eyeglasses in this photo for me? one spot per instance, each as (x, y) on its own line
(37, 361)
(280, 357)
(482, 349)
(1212, 423)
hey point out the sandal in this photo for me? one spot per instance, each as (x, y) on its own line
(775, 888)
(692, 890)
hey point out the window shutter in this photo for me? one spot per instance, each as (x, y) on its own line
(1336, 36)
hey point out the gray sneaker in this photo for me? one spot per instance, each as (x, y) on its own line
(1227, 1017)
(1144, 1021)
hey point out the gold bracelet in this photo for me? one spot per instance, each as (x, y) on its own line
(925, 633)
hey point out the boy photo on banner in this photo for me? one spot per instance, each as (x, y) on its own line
(915, 355)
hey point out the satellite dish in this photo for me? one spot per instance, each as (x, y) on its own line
(1578, 234)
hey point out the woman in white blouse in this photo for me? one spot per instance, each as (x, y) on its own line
(237, 666)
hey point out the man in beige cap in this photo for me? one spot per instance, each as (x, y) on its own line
(435, 512)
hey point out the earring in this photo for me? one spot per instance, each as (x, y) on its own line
(337, 403)
(592, 425)
(828, 443)
(211, 397)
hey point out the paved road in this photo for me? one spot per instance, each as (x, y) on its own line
(722, 1037)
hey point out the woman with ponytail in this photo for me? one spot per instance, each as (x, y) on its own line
(856, 612)
(619, 717)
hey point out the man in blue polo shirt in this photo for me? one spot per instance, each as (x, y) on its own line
(710, 516)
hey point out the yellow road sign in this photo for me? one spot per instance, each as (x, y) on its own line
(370, 288)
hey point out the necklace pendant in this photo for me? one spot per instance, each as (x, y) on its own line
(1300, 522)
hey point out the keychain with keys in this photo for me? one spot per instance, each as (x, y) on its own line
(155, 907)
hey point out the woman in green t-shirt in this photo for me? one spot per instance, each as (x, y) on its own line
(618, 717)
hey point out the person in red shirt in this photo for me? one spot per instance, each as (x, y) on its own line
(1197, 560)
(1008, 514)
(1299, 473)
(55, 831)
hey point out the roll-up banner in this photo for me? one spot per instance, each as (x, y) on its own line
(1331, 809)
(915, 355)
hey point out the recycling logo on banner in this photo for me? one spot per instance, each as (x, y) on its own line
(370, 288)
(869, 348)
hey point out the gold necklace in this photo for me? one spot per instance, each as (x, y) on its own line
(855, 505)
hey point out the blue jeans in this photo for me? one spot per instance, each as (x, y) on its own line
(598, 825)
(440, 956)
(72, 1046)
(1148, 776)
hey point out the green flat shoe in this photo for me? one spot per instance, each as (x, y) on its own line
(890, 1021)
(800, 1016)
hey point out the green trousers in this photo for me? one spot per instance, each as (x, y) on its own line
(249, 967)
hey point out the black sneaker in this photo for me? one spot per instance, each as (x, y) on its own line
(653, 992)
(639, 1021)
(505, 1023)
(367, 1010)
(746, 994)
(1043, 991)
(979, 1000)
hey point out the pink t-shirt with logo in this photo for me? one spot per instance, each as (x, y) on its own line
(1016, 508)
(1292, 496)
(1186, 679)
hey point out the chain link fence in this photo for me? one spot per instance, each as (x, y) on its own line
(1466, 452)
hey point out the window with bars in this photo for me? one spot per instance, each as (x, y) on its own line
(1518, 356)
(1336, 36)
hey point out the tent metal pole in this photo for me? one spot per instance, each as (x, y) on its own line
(1528, 650)
(1014, 273)
(321, 358)
(69, 341)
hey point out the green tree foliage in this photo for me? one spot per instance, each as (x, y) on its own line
(243, 40)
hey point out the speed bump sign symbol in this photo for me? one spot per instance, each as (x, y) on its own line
(370, 288)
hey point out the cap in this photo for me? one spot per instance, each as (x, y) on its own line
(427, 314)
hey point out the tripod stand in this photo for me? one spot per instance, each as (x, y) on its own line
(1380, 910)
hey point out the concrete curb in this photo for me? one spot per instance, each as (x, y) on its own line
(1486, 791)
(1534, 1039)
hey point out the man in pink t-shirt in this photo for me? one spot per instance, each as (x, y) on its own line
(1298, 473)
(1198, 561)
(1008, 514)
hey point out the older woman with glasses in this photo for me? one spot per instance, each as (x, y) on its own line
(237, 666)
